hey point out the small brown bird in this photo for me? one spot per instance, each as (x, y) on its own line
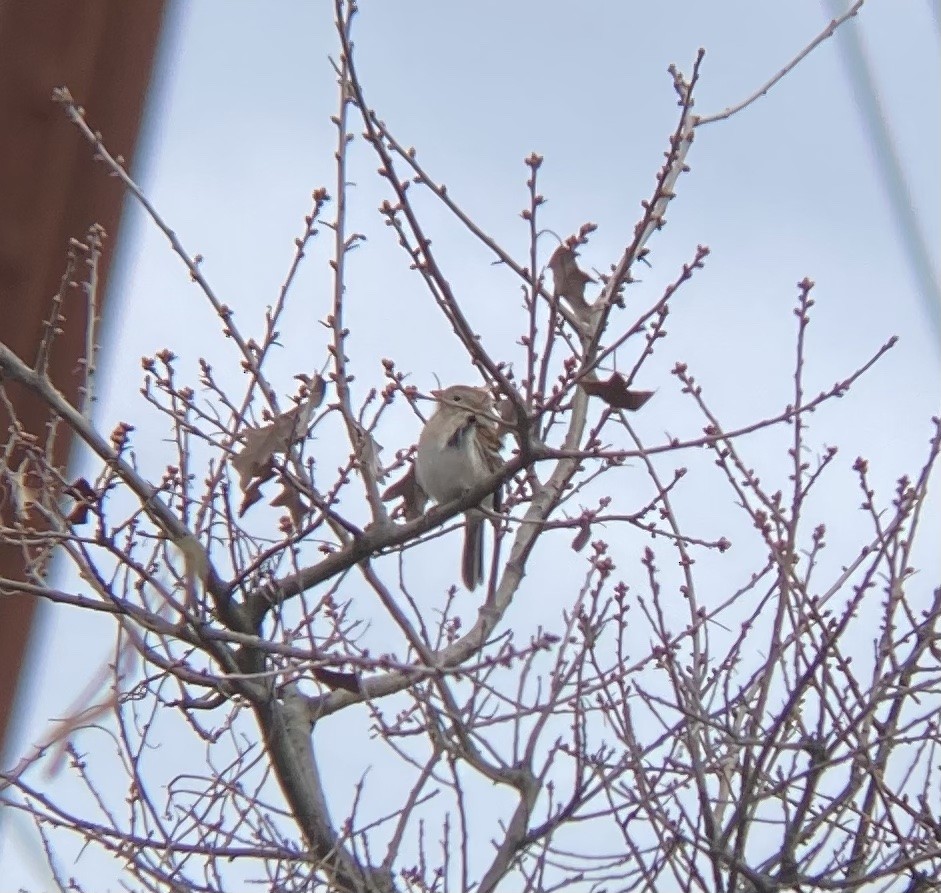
(458, 448)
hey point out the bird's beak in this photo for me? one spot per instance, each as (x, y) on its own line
(436, 394)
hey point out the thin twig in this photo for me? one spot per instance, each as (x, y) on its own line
(827, 32)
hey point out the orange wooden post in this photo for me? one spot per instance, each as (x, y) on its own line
(51, 191)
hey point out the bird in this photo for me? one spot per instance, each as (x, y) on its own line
(458, 448)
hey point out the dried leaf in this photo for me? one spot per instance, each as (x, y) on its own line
(615, 392)
(314, 389)
(368, 450)
(582, 537)
(79, 514)
(568, 279)
(253, 494)
(413, 497)
(259, 445)
(333, 679)
(80, 489)
(85, 497)
(290, 498)
(507, 414)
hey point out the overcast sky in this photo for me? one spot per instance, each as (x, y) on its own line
(238, 135)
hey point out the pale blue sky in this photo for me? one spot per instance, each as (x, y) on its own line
(239, 135)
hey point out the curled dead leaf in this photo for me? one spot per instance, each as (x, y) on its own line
(568, 279)
(413, 497)
(79, 514)
(253, 493)
(507, 414)
(582, 537)
(85, 498)
(290, 498)
(81, 489)
(368, 450)
(334, 679)
(616, 393)
(259, 445)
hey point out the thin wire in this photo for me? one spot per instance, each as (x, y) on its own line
(888, 164)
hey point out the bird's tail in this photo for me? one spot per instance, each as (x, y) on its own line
(472, 564)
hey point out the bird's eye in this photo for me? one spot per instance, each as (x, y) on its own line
(457, 398)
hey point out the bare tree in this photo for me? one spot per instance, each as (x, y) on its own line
(688, 721)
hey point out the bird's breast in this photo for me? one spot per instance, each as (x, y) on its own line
(446, 472)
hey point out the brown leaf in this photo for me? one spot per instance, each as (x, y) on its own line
(582, 537)
(314, 389)
(413, 497)
(85, 497)
(507, 413)
(252, 494)
(615, 392)
(568, 279)
(290, 498)
(259, 445)
(79, 514)
(368, 451)
(333, 679)
(80, 489)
